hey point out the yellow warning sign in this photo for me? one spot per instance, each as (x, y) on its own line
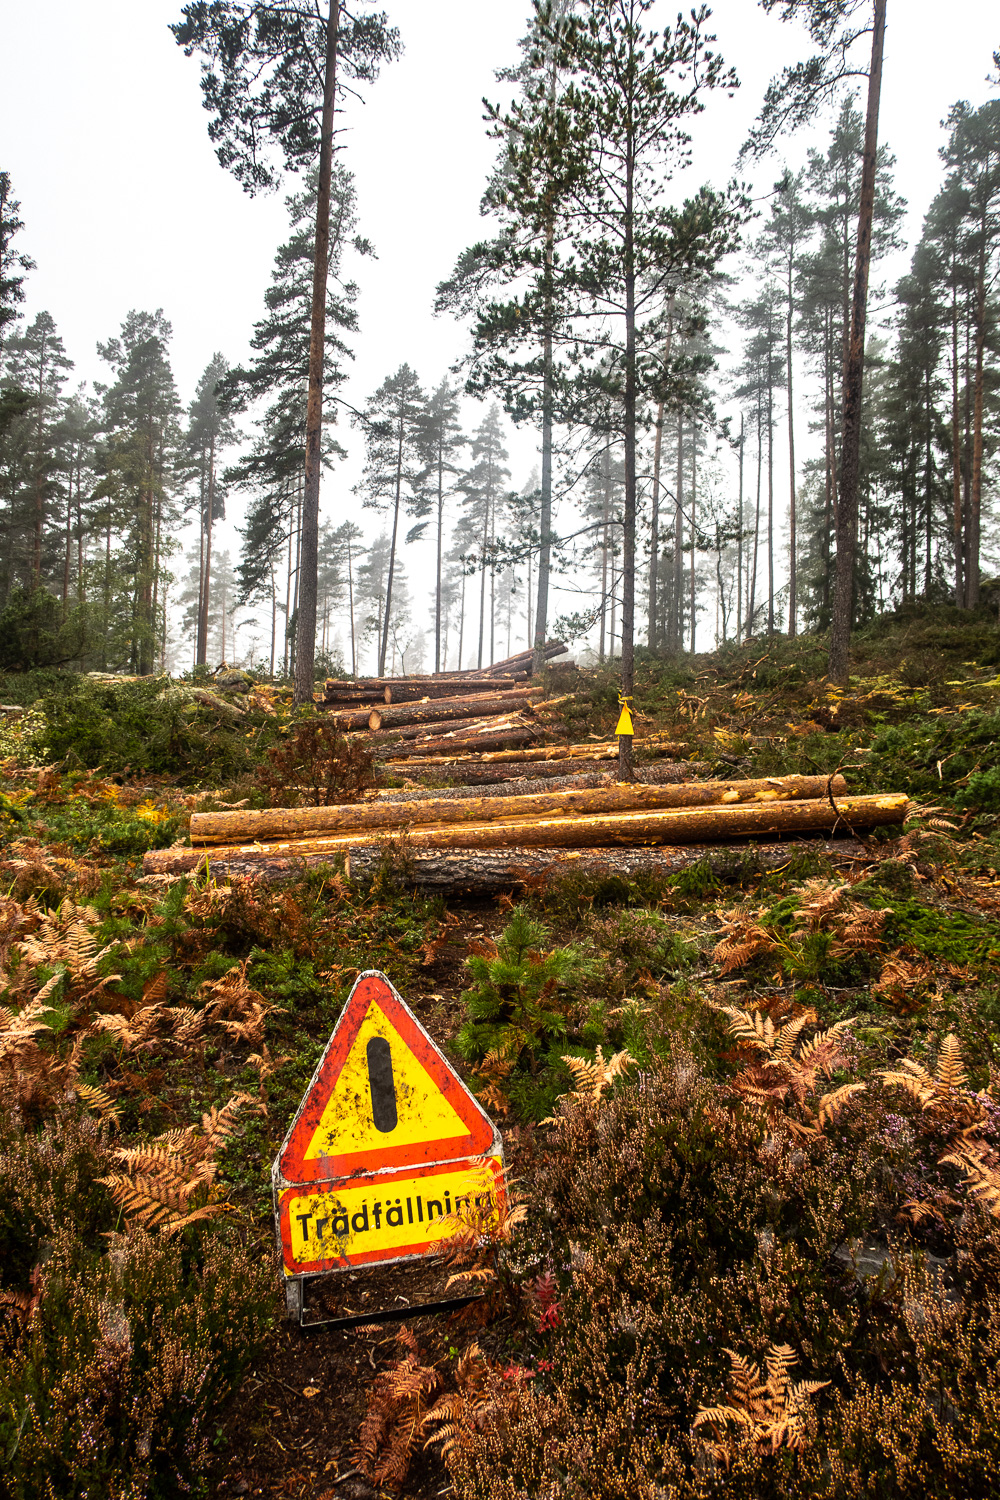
(384, 1112)
(394, 1215)
(624, 720)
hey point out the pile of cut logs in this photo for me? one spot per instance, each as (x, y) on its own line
(450, 714)
(491, 836)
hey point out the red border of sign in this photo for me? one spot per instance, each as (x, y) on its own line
(394, 1252)
(478, 1142)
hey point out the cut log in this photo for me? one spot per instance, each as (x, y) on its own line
(403, 690)
(628, 829)
(384, 740)
(245, 825)
(508, 869)
(442, 750)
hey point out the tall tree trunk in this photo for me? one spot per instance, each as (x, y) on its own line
(350, 600)
(605, 544)
(752, 593)
(392, 545)
(769, 494)
(545, 498)
(739, 542)
(792, 518)
(440, 543)
(972, 586)
(676, 631)
(850, 463)
(694, 529)
(956, 451)
(305, 631)
(625, 761)
(654, 521)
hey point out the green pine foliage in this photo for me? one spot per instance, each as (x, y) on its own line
(519, 1005)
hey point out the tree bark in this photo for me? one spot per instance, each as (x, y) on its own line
(443, 870)
(305, 632)
(850, 462)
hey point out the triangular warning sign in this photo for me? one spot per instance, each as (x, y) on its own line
(624, 721)
(382, 1096)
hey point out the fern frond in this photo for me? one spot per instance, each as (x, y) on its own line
(950, 1072)
(96, 1098)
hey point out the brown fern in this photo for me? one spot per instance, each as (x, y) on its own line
(767, 1412)
(398, 1403)
(170, 1182)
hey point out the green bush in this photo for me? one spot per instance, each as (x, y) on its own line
(144, 727)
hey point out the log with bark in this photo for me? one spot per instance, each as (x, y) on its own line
(377, 690)
(245, 825)
(437, 711)
(445, 870)
(383, 741)
(442, 750)
(596, 830)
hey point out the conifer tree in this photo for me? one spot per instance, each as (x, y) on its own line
(512, 285)
(13, 263)
(836, 27)
(483, 486)
(271, 71)
(394, 463)
(210, 431)
(36, 363)
(439, 437)
(139, 461)
(622, 116)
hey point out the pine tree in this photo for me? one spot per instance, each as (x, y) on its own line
(139, 460)
(393, 419)
(972, 154)
(622, 117)
(37, 365)
(270, 79)
(13, 263)
(210, 431)
(792, 100)
(439, 438)
(272, 471)
(513, 285)
(483, 486)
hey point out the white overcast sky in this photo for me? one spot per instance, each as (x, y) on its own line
(125, 205)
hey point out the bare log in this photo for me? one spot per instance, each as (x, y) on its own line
(246, 825)
(597, 830)
(508, 869)
(441, 749)
(376, 690)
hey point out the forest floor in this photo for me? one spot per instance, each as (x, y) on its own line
(859, 1230)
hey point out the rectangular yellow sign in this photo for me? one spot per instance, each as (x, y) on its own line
(384, 1217)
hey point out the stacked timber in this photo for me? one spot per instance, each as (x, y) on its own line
(605, 818)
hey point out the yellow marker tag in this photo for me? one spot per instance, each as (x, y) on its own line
(625, 722)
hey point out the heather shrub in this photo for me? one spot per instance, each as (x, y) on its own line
(117, 1350)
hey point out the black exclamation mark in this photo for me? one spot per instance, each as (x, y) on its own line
(381, 1084)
